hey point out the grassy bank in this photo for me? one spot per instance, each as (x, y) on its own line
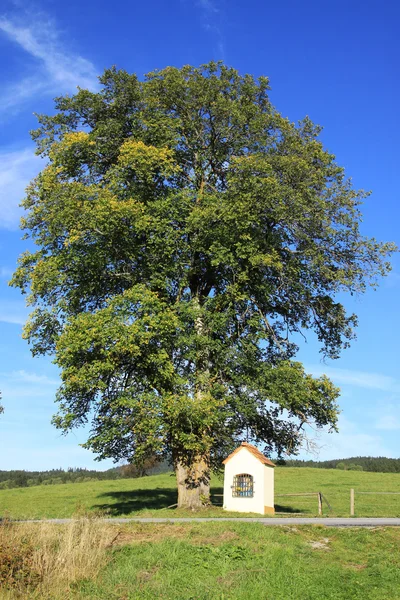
(209, 561)
(150, 496)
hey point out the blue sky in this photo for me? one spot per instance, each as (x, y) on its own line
(336, 62)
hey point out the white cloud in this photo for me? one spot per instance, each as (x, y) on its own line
(17, 168)
(208, 6)
(369, 437)
(5, 273)
(345, 445)
(14, 313)
(13, 96)
(22, 376)
(54, 71)
(388, 423)
(18, 393)
(57, 69)
(350, 441)
(211, 20)
(361, 379)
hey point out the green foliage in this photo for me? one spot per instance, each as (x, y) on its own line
(16, 479)
(375, 464)
(185, 233)
(348, 466)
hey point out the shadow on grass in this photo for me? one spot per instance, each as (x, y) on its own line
(127, 502)
(123, 503)
(279, 508)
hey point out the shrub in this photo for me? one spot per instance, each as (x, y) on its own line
(44, 558)
(17, 568)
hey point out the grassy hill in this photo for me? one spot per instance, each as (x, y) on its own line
(151, 496)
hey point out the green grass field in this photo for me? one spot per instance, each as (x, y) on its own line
(248, 562)
(206, 561)
(242, 562)
(151, 496)
(104, 560)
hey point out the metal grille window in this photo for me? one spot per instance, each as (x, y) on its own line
(243, 486)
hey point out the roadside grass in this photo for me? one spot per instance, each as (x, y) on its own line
(151, 496)
(206, 561)
(41, 558)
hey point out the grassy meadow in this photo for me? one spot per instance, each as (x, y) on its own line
(151, 496)
(94, 560)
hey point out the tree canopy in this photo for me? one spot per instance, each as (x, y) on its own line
(186, 233)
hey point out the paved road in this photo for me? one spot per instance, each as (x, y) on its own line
(270, 522)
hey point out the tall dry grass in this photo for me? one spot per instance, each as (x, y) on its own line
(42, 560)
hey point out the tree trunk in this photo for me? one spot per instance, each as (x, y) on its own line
(193, 484)
(193, 477)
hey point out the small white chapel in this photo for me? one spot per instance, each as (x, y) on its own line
(249, 481)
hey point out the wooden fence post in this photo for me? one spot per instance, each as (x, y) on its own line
(352, 502)
(319, 503)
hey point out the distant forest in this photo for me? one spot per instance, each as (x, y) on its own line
(379, 464)
(13, 479)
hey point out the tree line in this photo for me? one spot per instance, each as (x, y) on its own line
(22, 478)
(375, 464)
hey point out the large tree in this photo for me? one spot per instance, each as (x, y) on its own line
(186, 235)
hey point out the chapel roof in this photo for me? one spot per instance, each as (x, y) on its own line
(254, 451)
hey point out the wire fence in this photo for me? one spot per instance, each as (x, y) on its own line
(362, 503)
(353, 493)
(319, 495)
(371, 503)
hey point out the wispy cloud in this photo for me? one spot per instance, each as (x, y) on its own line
(388, 422)
(363, 379)
(5, 273)
(386, 415)
(367, 435)
(53, 70)
(22, 376)
(57, 70)
(14, 313)
(17, 168)
(211, 14)
(352, 440)
(208, 6)
(13, 96)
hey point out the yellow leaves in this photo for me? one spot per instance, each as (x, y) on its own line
(147, 160)
(68, 141)
(70, 147)
(267, 260)
(76, 136)
(97, 210)
(73, 237)
(49, 177)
